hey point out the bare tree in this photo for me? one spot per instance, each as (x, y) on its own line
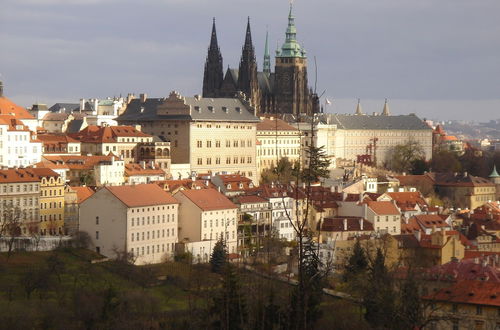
(10, 226)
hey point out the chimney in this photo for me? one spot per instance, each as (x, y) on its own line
(345, 224)
(143, 164)
(465, 174)
(361, 224)
(1, 89)
(143, 97)
(130, 97)
(82, 105)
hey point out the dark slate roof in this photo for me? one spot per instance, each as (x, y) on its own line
(265, 83)
(138, 111)
(407, 122)
(74, 126)
(68, 107)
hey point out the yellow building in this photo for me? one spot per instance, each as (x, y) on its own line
(51, 202)
(468, 304)
(465, 190)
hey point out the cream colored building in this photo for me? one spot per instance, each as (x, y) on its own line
(348, 136)
(213, 135)
(19, 199)
(276, 139)
(205, 216)
(140, 220)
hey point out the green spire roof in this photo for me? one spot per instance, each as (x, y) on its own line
(494, 174)
(291, 47)
(267, 58)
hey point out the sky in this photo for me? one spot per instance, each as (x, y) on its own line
(439, 59)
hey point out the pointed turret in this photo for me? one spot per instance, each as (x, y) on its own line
(247, 73)
(267, 57)
(386, 111)
(359, 110)
(213, 74)
(291, 47)
(494, 174)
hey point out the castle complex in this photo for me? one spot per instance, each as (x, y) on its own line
(284, 91)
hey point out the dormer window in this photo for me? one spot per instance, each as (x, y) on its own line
(238, 109)
(211, 109)
(142, 109)
(224, 109)
(228, 186)
(241, 185)
(197, 108)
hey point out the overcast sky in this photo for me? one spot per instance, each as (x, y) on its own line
(437, 58)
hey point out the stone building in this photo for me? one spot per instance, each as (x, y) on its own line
(284, 91)
(213, 135)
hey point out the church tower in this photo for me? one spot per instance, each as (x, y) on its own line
(213, 75)
(291, 90)
(247, 73)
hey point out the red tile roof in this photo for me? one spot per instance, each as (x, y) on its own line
(466, 269)
(25, 175)
(408, 200)
(106, 134)
(384, 208)
(430, 221)
(208, 199)
(82, 193)
(171, 185)
(7, 107)
(353, 224)
(270, 125)
(249, 199)
(148, 169)
(469, 292)
(74, 162)
(141, 195)
(14, 123)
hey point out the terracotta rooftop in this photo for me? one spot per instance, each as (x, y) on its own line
(268, 124)
(415, 180)
(83, 193)
(75, 162)
(133, 169)
(107, 134)
(461, 180)
(469, 292)
(248, 199)
(384, 208)
(208, 199)
(408, 200)
(172, 185)
(14, 123)
(25, 174)
(430, 221)
(466, 269)
(56, 138)
(230, 178)
(335, 224)
(141, 195)
(7, 107)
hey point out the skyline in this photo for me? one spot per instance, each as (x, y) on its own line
(433, 59)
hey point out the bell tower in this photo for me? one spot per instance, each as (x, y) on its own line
(291, 87)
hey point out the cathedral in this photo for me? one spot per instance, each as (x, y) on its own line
(284, 91)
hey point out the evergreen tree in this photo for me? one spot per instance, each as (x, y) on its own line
(379, 298)
(229, 305)
(305, 304)
(357, 263)
(318, 165)
(219, 256)
(411, 311)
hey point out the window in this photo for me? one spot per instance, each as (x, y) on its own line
(479, 310)
(96, 235)
(209, 144)
(217, 160)
(96, 220)
(235, 143)
(199, 161)
(217, 143)
(209, 161)
(228, 144)
(199, 144)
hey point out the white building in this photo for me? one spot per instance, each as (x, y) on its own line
(205, 216)
(18, 145)
(140, 220)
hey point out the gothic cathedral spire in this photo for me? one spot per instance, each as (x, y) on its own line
(247, 73)
(267, 58)
(213, 74)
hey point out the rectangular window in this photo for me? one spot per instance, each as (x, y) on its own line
(96, 220)
(235, 143)
(96, 235)
(217, 143)
(209, 144)
(199, 144)
(228, 144)
(209, 161)
(199, 161)
(217, 160)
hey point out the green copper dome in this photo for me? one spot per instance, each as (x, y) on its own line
(494, 174)
(291, 47)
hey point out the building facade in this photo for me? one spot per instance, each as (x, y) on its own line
(213, 135)
(140, 220)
